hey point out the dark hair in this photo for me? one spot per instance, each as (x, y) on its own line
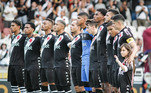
(32, 25)
(62, 22)
(113, 11)
(83, 14)
(109, 23)
(102, 11)
(128, 48)
(91, 22)
(3, 44)
(48, 19)
(118, 17)
(17, 22)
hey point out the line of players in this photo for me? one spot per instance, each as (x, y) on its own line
(92, 46)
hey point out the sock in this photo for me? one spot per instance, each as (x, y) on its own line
(22, 89)
(44, 88)
(53, 88)
(15, 89)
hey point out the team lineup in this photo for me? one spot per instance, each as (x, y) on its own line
(98, 55)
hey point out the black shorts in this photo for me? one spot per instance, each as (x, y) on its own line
(76, 76)
(103, 72)
(15, 75)
(94, 78)
(109, 74)
(125, 86)
(62, 76)
(47, 75)
(32, 79)
(116, 78)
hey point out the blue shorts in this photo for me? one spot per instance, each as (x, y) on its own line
(85, 73)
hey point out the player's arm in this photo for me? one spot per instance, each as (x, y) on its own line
(124, 68)
(133, 45)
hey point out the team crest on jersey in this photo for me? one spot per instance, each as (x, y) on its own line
(101, 27)
(115, 39)
(57, 46)
(18, 37)
(75, 40)
(120, 35)
(15, 42)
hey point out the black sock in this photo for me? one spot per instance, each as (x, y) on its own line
(44, 88)
(53, 87)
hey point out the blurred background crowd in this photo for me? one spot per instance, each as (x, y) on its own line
(38, 10)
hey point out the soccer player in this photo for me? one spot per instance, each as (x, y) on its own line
(47, 57)
(94, 67)
(86, 42)
(109, 46)
(124, 36)
(31, 54)
(76, 52)
(16, 65)
(61, 64)
(101, 46)
(110, 51)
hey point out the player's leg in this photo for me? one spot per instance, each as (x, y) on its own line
(51, 80)
(44, 82)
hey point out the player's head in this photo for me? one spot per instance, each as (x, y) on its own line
(29, 28)
(91, 26)
(60, 25)
(74, 27)
(109, 14)
(3, 46)
(47, 24)
(126, 50)
(110, 28)
(15, 26)
(118, 21)
(82, 18)
(99, 15)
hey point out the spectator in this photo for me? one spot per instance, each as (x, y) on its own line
(112, 5)
(38, 24)
(90, 7)
(60, 8)
(31, 11)
(10, 12)
(22, 11)
(82, 7)
(124, 10)
(42, 14)
(50, 11)
(4, 59)
(74, 10)
(100, 5)
(63, 17)
(141, 13)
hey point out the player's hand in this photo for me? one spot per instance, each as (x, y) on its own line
(117, 60)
